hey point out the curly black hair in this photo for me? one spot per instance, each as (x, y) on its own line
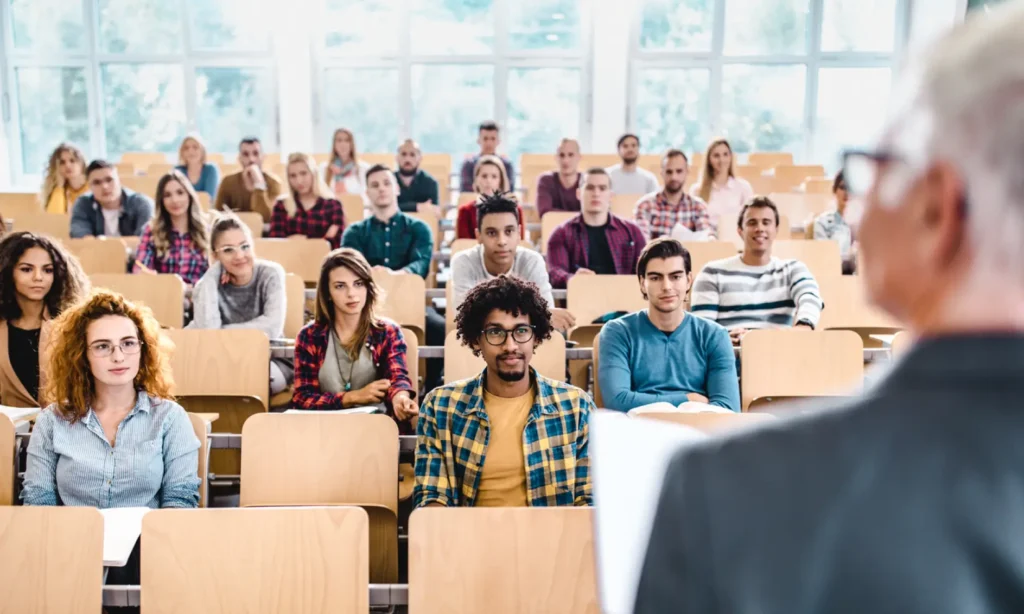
(69, 282)
(507, 293)
(498, 202)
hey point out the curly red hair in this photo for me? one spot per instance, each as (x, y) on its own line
(69, 381)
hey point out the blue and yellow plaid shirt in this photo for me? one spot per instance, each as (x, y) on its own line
(452, 436)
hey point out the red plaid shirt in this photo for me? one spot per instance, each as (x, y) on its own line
(313, 223)
(569, 246)
(656, 217)
(387, 346)
(183, 258)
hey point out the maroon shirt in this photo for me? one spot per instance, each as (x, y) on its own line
(553, 196)
(568, 248)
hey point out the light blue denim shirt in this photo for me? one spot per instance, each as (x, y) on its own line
(153, 463)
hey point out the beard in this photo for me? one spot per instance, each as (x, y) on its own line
(407, 173)
(630, 160)
(509, 376)
(674, 187)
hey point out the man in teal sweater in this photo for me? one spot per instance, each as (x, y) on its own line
(663, 354)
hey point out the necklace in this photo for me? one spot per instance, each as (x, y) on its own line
(338, 354)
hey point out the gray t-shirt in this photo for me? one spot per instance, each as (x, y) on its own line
(240, 304)
(260, 304)
(640, 181)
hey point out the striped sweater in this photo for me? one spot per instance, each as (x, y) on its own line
(776, 295)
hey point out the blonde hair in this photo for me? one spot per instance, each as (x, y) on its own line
(334, 152)
(161, 223)
(181, 149)
(707, 175)
(52, 179)
(493, 161)
(290, 199)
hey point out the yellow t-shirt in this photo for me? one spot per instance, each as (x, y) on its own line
(62, 199)
(503, 476)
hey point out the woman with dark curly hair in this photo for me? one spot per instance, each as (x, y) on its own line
(509, 437)
(39, 279)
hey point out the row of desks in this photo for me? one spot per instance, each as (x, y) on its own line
(381, 595)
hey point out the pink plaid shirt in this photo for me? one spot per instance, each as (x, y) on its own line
(656, 217)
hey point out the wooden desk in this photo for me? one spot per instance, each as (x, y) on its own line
(121, 529)
(209, 419)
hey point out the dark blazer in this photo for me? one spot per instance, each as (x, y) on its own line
(908, 500)
(87, 218)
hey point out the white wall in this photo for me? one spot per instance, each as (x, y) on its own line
(929, 18)
(610, 72)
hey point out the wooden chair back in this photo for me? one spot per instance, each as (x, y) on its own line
(328, 458)
(623, 205)
(412, 357)
(799, 207)
(270, 159)
(749, 172)
(798, 363)
(821, 257)
(295, 316)
(791, 176)
(230, 168)
(51, 559)
(100, 255)
(143, 184)
(847, 307)
(461, 245)
(705, 421)
(56, 225)
(14, 205)
(204, 200)
(821, 185)
(460, 363)
(449, 309)
(7, 441)
(902, 343)
(259, 561)
(602, 160)
(652, 163)
(159, 169)
(770, 159)
(431, 222)
(703, 252)
(549, 222)
(203, 470)
(353, 207)
(142, 159)
(404, 299)
(589, 297)
(126, 169)
(163, 294)
(540, 560)
(300, 256)
(221, 363)
(253, 220)
(763, 185)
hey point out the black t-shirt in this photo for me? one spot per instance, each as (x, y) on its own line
(23, 352)
(599, 254)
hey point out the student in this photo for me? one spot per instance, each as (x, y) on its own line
(345, 173)
(308, 208)
(663, 354)
(115, 439)
(64, 181)
(832, 226)
(754, 289)
(595, 242)
(252, 188)
(109, 210)
(488, 138)
(39, 280)
(509, 437)
(417, 190)
(488, 178)
(658, 213)
(242, 291)
(349, 356)
(559, 190)
(627, 177)
(497, 253)
(719, 187)
(176, 240)
(192, 163)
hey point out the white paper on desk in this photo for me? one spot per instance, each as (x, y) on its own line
(682, 233)
(17, 414)
(368, 409)
(121, 529)
(628, 458)
(690, 407)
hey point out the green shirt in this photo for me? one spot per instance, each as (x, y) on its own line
(402, 242)
(420, 190)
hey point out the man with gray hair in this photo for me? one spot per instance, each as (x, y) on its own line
(910, 498)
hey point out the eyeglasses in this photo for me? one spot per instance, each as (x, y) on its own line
(520, 334)
(231, 250)
(106, 348)
(860, 168)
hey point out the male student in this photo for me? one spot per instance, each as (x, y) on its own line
(108, 209)
(754, 289)
(488, 138)
(595, 242)
(663, 354)
(658, 213)
(252, 188)
(558, 190)
(417, 190)
(627, 177)
(498, 253)
(509, 437)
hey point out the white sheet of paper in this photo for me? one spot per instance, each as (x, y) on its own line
(16, 414)
(121, 529)
(628, 458)
(369, 409)
(682, 233)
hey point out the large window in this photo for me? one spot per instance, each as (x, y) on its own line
(114, 76)
(805, 76)
(433, 69)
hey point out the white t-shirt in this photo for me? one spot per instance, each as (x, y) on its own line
(110, 219)
(639, 181)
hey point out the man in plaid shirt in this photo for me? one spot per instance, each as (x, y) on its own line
(509, 437)
(657, 213)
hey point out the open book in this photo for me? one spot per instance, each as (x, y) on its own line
(369, 409)
(682, 233)
(17, 414)
(689, 406)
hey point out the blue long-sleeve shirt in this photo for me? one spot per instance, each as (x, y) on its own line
(209, 179)
(639, 364)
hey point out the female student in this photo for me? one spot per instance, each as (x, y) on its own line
(175, 241)
(309, 207)
(64, 179)
(192, 163)
(113, 439)
(39, 280)
(349, 356)
(719, 187)
(241, 291)
(489, 177)
(834, 226)
(345, 173)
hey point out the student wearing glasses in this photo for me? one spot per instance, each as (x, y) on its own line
(242, 291)
(834, 226)
(509, 437)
